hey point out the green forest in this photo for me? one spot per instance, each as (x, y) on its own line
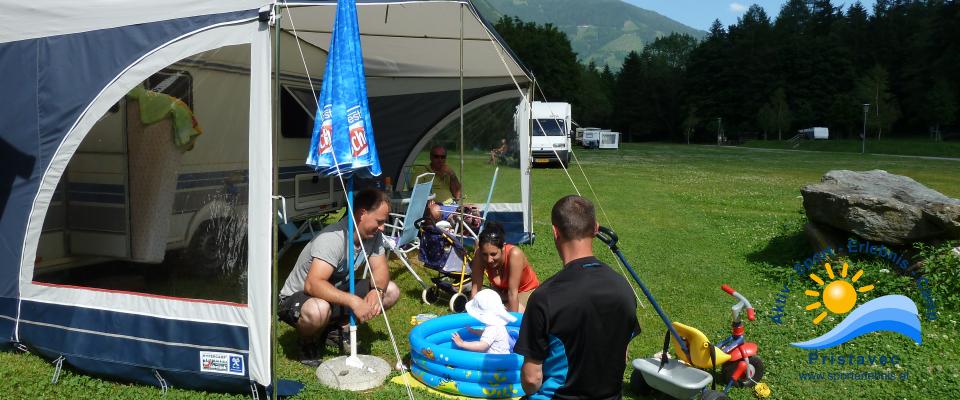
(814, 64)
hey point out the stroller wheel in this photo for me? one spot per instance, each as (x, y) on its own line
(430, 295)
(458, 302)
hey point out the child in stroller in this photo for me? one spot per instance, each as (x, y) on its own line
(444, 252)
(448, 216)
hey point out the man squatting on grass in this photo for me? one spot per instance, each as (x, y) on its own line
(577, 323)
(316, 293)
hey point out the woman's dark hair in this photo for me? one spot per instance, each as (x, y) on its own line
(492, 234)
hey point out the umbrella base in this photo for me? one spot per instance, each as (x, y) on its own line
(335, 373)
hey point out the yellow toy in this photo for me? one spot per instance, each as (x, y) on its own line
(762, 390)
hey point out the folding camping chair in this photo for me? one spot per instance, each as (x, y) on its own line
(294, 234)
(403, 233)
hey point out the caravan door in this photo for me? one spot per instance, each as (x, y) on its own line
(107, 211)
(95, 196)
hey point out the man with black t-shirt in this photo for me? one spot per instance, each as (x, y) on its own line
(578, 323)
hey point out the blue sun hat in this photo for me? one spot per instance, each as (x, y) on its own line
(488, 309)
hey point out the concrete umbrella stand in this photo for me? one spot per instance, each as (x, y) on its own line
(355, 372)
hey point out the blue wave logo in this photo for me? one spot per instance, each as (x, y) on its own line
(893, 313)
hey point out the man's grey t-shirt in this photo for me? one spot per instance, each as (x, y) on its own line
(329, 246)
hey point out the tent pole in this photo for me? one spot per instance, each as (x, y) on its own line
(527, 166)
(461, 104)
(274, 381)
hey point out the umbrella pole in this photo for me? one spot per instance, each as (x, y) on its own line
(353, 372)
(353, 360)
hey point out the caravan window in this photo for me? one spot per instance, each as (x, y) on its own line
(297, 108)
(176, 83)
(549, 127)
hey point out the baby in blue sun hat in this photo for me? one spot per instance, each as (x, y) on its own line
(487, 307)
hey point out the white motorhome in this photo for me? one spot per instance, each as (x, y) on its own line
(193, 198)
(549, 132)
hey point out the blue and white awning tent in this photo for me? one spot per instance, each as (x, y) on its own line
(68, 65)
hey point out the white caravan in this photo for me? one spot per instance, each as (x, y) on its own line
(583, 134)
(549, 132)
(815, 133)
(180, 198)
(591, 139)
(609, 140)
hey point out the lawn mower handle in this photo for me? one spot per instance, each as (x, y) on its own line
(607, 236)
(731, 291)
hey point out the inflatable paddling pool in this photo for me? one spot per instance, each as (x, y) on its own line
(439, 364)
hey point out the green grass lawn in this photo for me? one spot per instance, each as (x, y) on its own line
(898, 146)
(689, 218)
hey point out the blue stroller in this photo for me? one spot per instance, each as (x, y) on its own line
(444, 253)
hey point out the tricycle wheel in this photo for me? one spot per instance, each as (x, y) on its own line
(639, 385)
(713, 395)
(755, 369)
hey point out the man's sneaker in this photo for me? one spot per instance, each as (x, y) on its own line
(339, 338)
(335, 338)
(310, 354)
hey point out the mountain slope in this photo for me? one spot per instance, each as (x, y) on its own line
(603, 31)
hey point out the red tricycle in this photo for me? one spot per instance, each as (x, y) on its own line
(685, 378)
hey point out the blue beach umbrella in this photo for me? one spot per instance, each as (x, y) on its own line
(342, 142)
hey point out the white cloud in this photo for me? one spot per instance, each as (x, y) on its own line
(737, 7)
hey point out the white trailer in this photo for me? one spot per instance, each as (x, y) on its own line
(815, 133)
(609, 140)
(591, 139)
(582, 132)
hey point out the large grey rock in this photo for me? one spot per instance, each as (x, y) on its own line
(883, 207)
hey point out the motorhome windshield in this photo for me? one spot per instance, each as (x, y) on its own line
(549, 127)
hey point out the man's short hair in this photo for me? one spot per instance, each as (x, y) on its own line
(574, 217)
(369, 199)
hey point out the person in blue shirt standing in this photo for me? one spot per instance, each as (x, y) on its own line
(578, 323)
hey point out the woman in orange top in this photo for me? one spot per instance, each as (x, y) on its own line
(506, 266)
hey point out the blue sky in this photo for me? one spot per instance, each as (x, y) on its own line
(700, 14)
